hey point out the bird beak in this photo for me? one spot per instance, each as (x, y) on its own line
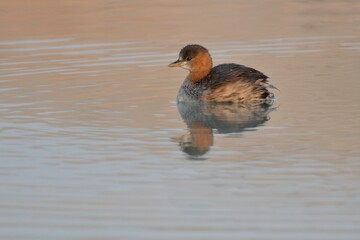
(177, 63)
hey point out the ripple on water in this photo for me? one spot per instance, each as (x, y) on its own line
(92, 144)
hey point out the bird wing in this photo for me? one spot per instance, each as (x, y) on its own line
(235, 83)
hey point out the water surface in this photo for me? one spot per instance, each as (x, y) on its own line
(94, 146)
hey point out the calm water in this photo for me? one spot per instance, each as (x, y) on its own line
(94, 146)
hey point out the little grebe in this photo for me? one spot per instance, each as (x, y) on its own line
(223, 83)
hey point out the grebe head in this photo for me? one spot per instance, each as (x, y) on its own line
(196, 59)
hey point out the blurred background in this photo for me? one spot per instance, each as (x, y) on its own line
(94, 146)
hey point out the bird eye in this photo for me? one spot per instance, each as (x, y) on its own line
(188, 58)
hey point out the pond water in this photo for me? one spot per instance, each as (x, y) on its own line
(94, 146)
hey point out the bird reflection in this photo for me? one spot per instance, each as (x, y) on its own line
(203, 118)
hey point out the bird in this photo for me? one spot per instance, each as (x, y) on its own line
(224, 83)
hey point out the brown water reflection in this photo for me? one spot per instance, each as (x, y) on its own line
(201, 119)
